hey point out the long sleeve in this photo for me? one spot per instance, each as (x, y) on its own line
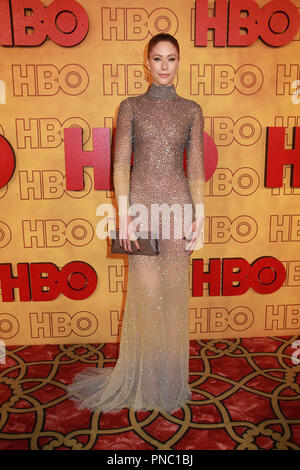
(123, 151)
(195, 161)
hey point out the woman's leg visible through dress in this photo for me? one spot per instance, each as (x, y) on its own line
(149, 293)
(162, 290)
(177, 299)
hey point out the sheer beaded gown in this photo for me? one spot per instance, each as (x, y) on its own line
(152, 368)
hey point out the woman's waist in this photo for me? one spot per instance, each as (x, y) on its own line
(160, 192)
(151, 176)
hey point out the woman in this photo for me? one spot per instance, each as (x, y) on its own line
(152, 368)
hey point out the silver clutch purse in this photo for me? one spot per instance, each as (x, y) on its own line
(148, 243)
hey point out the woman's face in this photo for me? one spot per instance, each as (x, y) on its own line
(163, 63)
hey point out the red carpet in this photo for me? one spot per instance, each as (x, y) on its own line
(246, 395)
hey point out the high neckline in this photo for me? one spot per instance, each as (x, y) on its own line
(161, 92)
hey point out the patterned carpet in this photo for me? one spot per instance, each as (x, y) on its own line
(246, 395)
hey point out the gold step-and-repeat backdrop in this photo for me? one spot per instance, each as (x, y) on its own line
(65, 68)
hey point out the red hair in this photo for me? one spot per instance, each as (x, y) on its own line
(162, 37)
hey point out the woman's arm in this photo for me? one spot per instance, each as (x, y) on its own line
(195, 162)
(196, 175)
(123, 151)
(121, 173)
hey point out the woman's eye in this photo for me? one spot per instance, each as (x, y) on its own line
(172, 59)
(156, 58)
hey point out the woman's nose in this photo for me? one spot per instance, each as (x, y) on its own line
(164, 65)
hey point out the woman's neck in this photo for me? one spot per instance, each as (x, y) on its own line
(161, 92)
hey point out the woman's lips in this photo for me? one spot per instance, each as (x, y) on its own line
(164, 75)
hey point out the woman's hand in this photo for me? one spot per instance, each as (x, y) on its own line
(126, 231)
(193, 233)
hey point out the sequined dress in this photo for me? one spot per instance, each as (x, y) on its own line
(152, 369)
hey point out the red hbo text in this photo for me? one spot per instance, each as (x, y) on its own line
(277, 23)
(65, 22)
(44, 281)
(76, 159)
(265, 275)
(278, 156)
